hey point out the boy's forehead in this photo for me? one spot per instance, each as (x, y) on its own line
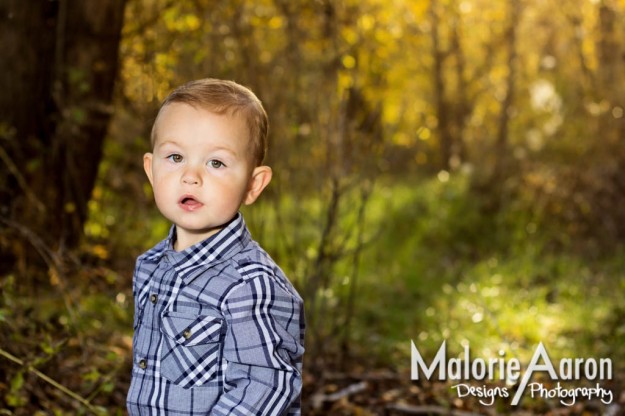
(179, 113)
(188, 110)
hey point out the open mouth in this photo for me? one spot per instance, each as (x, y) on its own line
(189, 203)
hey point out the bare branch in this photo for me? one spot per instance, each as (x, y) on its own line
(52, 382)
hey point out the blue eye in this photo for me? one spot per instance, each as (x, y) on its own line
(176, 158)
(216, 164)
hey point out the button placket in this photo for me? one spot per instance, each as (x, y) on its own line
(164, 265)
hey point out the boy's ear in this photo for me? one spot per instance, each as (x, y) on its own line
(147, 166)
(261, 176)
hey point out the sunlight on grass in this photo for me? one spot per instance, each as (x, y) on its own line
(441, 271)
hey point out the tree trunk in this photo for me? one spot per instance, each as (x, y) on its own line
(462, 108)
(440, 96)
(610, 56)
(502, 141)
(56, 76)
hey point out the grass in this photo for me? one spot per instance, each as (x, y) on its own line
(439, 268)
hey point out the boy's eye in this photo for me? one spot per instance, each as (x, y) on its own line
(176, 158)
(215, 164)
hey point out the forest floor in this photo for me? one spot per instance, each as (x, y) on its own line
(94, 363)
(392, 393)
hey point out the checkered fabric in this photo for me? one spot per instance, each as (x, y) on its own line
(219, 330)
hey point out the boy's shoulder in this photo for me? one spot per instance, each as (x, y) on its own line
(253, 262)
(154, 253)
(251, 266)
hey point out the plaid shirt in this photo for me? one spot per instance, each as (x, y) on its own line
(219, 330)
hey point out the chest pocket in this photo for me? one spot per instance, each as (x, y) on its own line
(191, 351)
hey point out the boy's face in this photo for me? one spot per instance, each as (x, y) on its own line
(201, 170)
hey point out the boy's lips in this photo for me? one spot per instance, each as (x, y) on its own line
(189, 203)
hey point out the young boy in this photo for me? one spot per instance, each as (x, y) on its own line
(219, 329)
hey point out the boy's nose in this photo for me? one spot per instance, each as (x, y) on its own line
(191, 177)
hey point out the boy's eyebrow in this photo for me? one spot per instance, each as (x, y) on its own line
(163, 143)
(225, 149)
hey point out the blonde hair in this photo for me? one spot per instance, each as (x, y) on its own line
(225, 98)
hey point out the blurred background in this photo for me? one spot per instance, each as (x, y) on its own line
(443, 169)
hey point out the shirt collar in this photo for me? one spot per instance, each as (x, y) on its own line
(213, 250)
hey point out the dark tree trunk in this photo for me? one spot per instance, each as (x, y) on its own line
(442, 107)
(503, 129)
(57, 74)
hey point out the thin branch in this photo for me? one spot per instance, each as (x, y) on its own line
(51, 381)
(44, 251)
(351, 297)
(319, 399)
(52, 259)
(21, 180)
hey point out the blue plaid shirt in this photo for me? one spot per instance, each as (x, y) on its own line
(219, 330)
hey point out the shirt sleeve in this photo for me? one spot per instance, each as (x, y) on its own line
(263, 349)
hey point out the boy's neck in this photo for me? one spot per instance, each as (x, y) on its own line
(186, 239)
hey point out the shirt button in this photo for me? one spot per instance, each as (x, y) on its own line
(143, 364)
(153, 298)
(187, 334)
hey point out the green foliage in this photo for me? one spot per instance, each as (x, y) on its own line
(71, 342)
(436, 265)
(442, 269)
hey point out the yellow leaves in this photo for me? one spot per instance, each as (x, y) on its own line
(94, 229)
(424, 134)
(100, 251)
(53, 275)
(403, 139)
(350, 36)
(192, 22)
(149, 61)
(148, 81)
(348, 61)
(99, 223)
(181, 23)
(345, 81)
(163, 59)
(418, 9)
(366, 22)
(276, 22)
